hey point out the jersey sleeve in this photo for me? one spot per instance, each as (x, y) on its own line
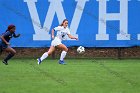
(58, 28)
(68, 31)
(6, 34)
(14, 35)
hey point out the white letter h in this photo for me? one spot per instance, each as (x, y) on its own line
(122, 17)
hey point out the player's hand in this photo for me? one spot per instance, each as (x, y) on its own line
(18, 35)
(76, 38)
(7, 43)
(52, 37)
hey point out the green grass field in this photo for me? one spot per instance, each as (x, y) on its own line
(78, 76)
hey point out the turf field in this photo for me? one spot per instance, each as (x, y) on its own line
(78, 76)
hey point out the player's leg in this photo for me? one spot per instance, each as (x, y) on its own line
(63, 54)
(0, 49)
(11, 52)
(46, 54)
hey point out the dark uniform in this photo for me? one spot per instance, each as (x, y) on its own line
(7, 36)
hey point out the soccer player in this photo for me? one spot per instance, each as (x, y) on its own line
(4, 42)
(62, 31)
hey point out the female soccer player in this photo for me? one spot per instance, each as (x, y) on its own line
(5, 45)
(62, 31)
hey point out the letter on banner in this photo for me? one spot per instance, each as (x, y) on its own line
(77, 16)
(42, 33)
(55, 7)
(122, 17)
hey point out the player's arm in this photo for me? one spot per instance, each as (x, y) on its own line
(3, 39)
(15, 36)
(52, 34)
(72, 37)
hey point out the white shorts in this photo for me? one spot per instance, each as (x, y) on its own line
(56, 42)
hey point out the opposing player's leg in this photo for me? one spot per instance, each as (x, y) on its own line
(11, 52)
(63, 54)
(0, 49)
(46, 54)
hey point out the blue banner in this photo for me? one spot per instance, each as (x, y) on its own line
(97, 23)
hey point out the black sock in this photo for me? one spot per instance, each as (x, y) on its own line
(8, 57)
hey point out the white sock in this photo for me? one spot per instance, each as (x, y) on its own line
(63, 54)
(45, 55)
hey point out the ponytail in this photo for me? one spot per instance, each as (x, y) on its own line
(6, 30)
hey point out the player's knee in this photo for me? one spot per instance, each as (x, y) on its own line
(14, 52)
(66, 49)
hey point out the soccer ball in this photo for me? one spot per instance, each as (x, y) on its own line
(80, 49)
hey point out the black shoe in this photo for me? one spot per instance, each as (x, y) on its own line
(5, 62)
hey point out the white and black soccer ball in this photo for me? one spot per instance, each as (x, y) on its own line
(80, 49)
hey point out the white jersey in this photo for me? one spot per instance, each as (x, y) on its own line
(61, 32)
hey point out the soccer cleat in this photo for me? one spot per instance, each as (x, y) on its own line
(5, 62)
(39, 61)
(62, 62)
